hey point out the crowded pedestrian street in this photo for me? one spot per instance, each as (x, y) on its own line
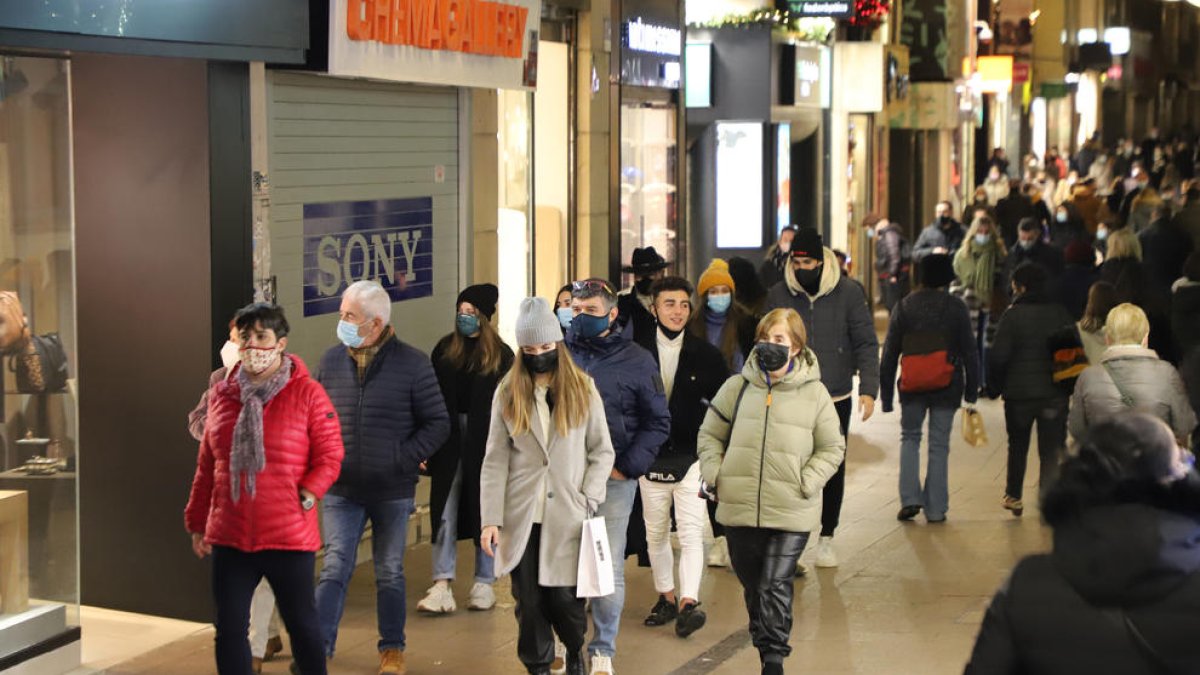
(906, 598)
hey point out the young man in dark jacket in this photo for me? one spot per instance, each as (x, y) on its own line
(635, 404)
(943, 235)
(692, 371)
(841, 331)
(1021, 367)
(633, 304)
(893, 262)
(393, 418)
(1031, 248)
(929, 320)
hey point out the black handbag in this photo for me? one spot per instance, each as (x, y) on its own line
(42, 369)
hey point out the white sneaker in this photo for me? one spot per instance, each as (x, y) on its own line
(439, 600)
(826, 557)
(559, 666)
(601, 665)
(483, 597)
(801, 569)
(718, 553)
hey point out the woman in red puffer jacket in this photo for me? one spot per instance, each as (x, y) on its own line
(272, 447)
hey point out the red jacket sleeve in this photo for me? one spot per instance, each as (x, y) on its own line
(195, 516)
(324, 441)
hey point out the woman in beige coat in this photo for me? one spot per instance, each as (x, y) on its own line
(770, 442)
(545, 471)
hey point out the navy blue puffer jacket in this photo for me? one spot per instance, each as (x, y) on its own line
(634, 400)
(392, 422)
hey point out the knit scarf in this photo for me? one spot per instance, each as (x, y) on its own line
(248, 455)
(975, 266)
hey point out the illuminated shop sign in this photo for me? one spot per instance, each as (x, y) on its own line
(650, 54)
(652, 39)
(836, 9)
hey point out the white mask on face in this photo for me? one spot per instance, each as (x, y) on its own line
(229, 354)
(257, 360)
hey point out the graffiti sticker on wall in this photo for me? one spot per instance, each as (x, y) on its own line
(387, 240)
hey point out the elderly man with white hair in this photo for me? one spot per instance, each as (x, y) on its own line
(393, 418)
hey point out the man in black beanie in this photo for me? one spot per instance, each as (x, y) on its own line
(842, 334)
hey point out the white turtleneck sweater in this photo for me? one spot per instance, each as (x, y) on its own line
(668, 359)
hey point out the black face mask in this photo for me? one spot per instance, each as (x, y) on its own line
(539, 364)
(668, 333)
(643, 286)
(809, 280)
(945, 221)
(771, 357)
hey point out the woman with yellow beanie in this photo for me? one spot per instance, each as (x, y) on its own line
(723, 321)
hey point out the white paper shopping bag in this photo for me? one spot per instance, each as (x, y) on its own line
(595, 561)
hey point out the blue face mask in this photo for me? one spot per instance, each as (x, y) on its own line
(981, 239)
(348, 333)
(588, 326)
(565, 314)
(468, 324)
(1101, 235)
(719, 304)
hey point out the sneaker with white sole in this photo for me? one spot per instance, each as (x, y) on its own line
(601, 665)
(438, 600)
(826, 556)
(718, 553)
(559, 666)
(483, 598)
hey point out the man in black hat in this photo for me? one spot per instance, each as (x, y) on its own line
(633, 304)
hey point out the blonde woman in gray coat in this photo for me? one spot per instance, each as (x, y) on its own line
(545, 471)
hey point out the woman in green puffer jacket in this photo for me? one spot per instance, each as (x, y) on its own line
(768, 445)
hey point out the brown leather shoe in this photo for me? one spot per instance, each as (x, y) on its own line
(274, 646)
(391, 662)
(256, 664)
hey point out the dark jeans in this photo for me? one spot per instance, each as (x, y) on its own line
(835, 489)
(290, 573)
(893, 292)
(543, 611)
(765, 562)
(1051, 417)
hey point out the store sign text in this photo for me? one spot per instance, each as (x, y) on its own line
(468, 26)
(652, 39)
(386, 240)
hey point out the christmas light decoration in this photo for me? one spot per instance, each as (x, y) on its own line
(804, 28)
(870, 13)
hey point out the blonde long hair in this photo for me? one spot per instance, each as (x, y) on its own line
(485, 360)
(572, 389)
(1124, 243)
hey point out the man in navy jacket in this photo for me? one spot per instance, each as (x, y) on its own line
(635, 404)
(393, 418)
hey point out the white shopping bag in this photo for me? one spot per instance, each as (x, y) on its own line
(595, 561)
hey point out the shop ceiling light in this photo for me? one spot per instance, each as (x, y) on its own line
(1118, 39)
(1088, 35)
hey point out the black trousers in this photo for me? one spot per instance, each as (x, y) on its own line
(1019, 417)
(765, 562)
(893, 292)
(290, 573)
(835, 489)
(543, 611)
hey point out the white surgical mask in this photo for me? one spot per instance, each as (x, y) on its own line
(230, 354)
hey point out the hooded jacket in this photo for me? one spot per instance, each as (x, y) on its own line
(932, 311)
(635, 403)
(1153, 384)
(770, 455)
(841, 330)
(1066, 612)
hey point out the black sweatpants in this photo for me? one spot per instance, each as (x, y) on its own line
(1050, 414)
(835, 489)
(765, 562)
(543, 611)
(290, 573)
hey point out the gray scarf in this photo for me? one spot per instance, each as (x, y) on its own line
(247, 455)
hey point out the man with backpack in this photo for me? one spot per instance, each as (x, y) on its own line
(893, 260)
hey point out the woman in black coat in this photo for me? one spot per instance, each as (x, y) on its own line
(1121, 590)
(469, 363)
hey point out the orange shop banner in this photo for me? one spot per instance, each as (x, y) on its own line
(468, 43)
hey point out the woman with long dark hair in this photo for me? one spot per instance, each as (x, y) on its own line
(469, 362)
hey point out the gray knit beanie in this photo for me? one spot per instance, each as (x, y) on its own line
(536, 324)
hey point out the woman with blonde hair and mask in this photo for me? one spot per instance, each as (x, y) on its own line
(978, 263)
(545, 471)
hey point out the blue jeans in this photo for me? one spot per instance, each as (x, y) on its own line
(445, 547)
(606, 611)
(343, 520)
(935, 497)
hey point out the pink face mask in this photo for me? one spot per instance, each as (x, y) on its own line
(258, 359)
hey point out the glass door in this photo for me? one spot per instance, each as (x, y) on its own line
(649, 179)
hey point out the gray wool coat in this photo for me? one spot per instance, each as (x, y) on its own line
(1153, 384)
(576, 467)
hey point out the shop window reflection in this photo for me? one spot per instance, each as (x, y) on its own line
(649, 175)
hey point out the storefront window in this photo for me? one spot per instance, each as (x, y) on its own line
(649, 176)
(39, 551)
(513, 190)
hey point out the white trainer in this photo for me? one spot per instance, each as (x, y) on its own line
(559, 666)
(438, 600)
(483, 598)
(718, 553)
(826, 556)
(601, 665)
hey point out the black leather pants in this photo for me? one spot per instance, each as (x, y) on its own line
(765, 562)
(543, 611)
